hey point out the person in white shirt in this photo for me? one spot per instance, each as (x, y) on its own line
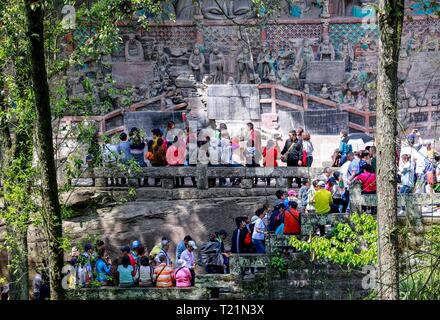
(188, 257)
(259, 231)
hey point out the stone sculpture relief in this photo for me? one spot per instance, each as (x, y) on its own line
(185, 9)
(217, 65)
(304, 57)
(196, 62)
(133, 49)
(431, 39)
(265, 64)
(223, 9)
(245, 67)
(346, 53)
(326, 51)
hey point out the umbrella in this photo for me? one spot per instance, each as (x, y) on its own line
(359, 141)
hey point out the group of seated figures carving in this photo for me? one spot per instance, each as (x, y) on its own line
(244, 9)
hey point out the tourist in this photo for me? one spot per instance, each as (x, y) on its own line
(292, 195)
(338, 192)
(367, 179)
(299, 133)
(354, 168)
(311, 197)
(326, 174)
(126, 273)
(406, 171)
(176, 155)
(281, 196)
(171, 132)
(260, 232)
(302, 194)
(368, 182)
(159, 157)
(292, 220)
(156, 249)
(373, 157)
(345, 168)
(103, 268)
(4, 290)
(221, 237)
(123, 148)
(421, 161)
(145, 273)
(323, 204)
(292, 154)
(137, 146)
(163, 274)
(164, 252)
(239, 236)
(364, 156)
(225, 150)
(211, 256)
(40, 285)
(182, 245)
(270, 154)
(109, 152)
(308, 148)
(344, 148)
(189, 259)
(134, 256)
(182, 275)
(252, 152)
(86, 272)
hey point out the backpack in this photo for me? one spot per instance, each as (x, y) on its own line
(349, 148)
(298, 220)
(279, 218)
(272, 226)
(248, 238)
(304, 158)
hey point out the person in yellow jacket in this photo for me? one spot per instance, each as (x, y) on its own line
(323, 203)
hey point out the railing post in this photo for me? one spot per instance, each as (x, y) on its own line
(247, 183)
(98, 180)
(202, 176)
(167, 183)
(281, 182)
(355, 198)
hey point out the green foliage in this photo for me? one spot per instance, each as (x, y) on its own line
(279, 264)
(353, 244)
(420, 279)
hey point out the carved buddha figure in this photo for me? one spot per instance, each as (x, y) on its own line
(431, 40)
(326, 52)
(221, 9)
(185, 9)
(196, 62)
(346, 53)
(304, 57)
(217, 65)
(324, 92)
(349, 98)
(133, 49)
(245, 66)
(264, 61)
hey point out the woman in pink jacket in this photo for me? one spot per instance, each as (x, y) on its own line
(182, 275)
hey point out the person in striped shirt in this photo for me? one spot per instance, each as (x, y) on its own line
(163, 274)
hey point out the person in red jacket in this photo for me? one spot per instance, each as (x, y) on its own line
(270, 154)
(292, 220)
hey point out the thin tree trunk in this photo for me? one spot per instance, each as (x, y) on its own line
(390, 19)
(44, 138)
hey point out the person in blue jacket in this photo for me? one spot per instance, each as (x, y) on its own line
(103, 268)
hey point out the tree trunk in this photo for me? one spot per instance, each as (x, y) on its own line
(390, 19)
(44, 139)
